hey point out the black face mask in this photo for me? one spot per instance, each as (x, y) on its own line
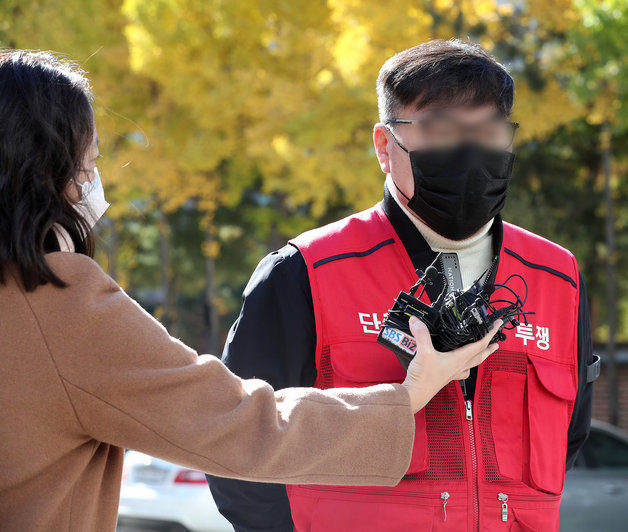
(458, 190)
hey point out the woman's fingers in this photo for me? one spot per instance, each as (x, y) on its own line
(484, 342)
(473, 351)
(421, 335)
(477, 352)
(483, 355)
(476, 361)
(430, 370)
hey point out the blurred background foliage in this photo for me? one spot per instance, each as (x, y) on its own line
(229, 126)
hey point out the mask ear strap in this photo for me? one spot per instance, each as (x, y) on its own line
(400, 191)
(404, 149)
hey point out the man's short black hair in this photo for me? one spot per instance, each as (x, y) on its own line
(449, 72)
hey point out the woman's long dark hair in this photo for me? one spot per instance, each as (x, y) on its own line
(46, 129)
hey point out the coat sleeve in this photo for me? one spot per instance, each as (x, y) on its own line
(580, 423)
(277, 312)
(134, 386)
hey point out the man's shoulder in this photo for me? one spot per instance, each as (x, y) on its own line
(281, 270)
(516, 234)
(535, 250)
(356, 232)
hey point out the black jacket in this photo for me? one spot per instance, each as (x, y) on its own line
(274, 339)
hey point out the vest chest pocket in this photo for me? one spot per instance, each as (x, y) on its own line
(360, 364)
(530, 420)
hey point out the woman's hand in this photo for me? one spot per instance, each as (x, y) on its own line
(430, 370)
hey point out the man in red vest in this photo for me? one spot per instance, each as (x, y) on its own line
(490, 451)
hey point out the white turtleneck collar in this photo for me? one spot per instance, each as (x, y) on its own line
(475, 253)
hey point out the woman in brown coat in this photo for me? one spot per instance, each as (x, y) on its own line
(85, 372)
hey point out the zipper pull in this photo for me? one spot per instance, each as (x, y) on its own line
(468, 410)
(504, 500)
(444, 495)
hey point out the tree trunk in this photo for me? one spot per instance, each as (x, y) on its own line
(211, 315)
(167, 317)
(112, 249)
(611, 272)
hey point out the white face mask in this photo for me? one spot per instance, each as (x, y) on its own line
(93, 203)
(91, 206)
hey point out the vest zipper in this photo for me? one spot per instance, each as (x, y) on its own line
(474, 463)
(489, 274)
(504, 500)
(445, 495)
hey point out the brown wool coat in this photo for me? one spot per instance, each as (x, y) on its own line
(85, 372)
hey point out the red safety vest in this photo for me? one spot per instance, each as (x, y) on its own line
(494, 463)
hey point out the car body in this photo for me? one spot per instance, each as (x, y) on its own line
(596, 489)
(157, 495)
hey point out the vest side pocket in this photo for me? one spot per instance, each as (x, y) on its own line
(550, 389)
(359, 364)
(507, 402)
(532, 520)
(338, 514)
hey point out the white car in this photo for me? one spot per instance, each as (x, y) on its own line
(157, 495)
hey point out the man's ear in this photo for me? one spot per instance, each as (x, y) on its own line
(381, 141)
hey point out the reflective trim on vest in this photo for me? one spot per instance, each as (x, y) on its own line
(524, 393)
